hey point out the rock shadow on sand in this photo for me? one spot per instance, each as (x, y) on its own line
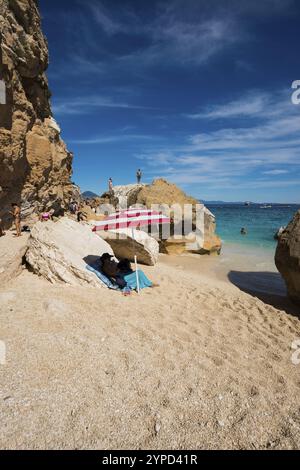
(269, 287)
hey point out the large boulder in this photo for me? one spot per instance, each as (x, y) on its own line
(287, 257)
(207, 241)
(176, 246)
(163, 192)
(59, 252)
(161, 195)
(126, 244)
(124, 196)
(12, 252)
(89, 214)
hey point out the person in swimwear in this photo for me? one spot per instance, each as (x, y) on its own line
(46, 216)
(16, 213)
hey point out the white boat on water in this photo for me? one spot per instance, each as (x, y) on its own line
(265, 206)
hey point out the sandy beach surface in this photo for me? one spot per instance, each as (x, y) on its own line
(196, 363)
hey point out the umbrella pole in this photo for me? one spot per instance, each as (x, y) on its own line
(137, 275)
(136, 268)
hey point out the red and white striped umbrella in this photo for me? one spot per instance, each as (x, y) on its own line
(131, 218)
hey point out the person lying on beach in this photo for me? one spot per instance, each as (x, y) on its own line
(123, 274)
(133, 279)
(109, 266)
(16, 213)
(124, 267)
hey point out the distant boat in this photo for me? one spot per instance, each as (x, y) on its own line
(265, 206)
(247, 203)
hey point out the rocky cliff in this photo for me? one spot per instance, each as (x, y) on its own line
(35, 165)
(287, 257)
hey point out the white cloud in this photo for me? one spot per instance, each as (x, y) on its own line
(227, 156)
(175, 41)
(157, 158)
(87, 104)
(192, 42)
(255, 104)
(262, 184)
(181, 33)
(167, 36)
(275, 172)
(110, 139)
(251, 105)
(271, 134)
(104, 19)
(112, 21)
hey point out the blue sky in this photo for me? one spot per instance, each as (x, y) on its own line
(198, 92)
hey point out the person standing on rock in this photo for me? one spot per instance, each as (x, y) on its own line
(110, 186)
(16, 213)
(139, 175)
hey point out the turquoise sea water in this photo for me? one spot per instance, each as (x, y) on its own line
(261, 224)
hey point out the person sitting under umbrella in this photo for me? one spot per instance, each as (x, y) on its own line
(123, 274)
(109, 267)
(134, 279)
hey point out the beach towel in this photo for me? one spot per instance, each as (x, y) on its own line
(103, 279)
(131, 280)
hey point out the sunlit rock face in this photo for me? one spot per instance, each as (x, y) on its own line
(287, 258)
(35, 165)
(60, 251)
(162, 195)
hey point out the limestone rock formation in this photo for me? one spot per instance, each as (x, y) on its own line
(124, 196)
(35, 165)
(59, 252)
(287, 257)
(210, 242)
(146, 248)
(12, 252)
(176, 246)
(161, 194)
(87, 214)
